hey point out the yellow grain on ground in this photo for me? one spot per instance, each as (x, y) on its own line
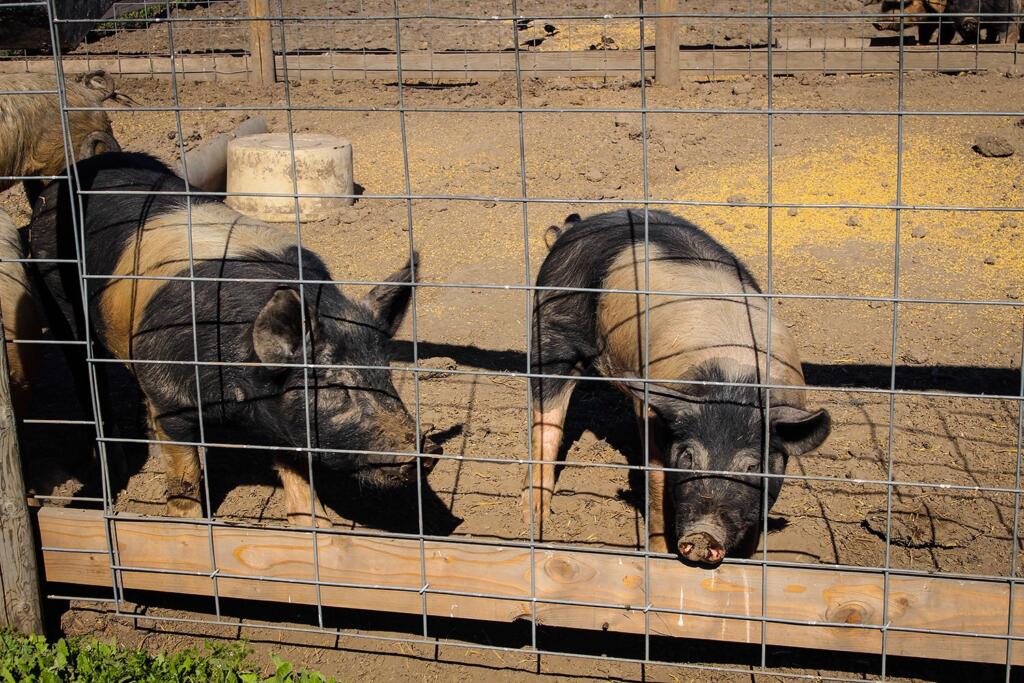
(965, 254)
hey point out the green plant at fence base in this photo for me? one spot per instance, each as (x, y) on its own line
(32, 659)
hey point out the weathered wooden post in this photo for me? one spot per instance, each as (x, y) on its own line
(666, 45)
(261, 47)
(20, 606)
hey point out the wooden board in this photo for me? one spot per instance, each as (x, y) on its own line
(795, 58)
(251, 564)
(20, 605)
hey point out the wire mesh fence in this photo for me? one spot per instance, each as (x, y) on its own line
(881, 241)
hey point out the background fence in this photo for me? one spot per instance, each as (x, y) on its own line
(837, 164)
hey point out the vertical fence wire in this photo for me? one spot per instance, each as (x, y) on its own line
(305, 322)
(770, 289)
(894, 348)
(413, 266)
(200, 452)
(77, 221)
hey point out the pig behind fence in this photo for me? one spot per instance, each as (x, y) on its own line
(719, 338)
(31, 134)
(259, 320)
(973, 20)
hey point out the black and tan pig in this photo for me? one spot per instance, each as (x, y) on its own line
(710, 434)
(250, 330)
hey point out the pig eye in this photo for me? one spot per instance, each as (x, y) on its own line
(754, 467)
(685, 459)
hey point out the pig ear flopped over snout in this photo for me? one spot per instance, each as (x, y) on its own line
(800, 431)
(277, 334)
(388, 303)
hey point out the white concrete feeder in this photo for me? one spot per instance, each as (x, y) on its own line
(263, 163)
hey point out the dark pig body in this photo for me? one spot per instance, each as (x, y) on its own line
(719, 338)
(968, 18)
(147, 235)
(980, 20)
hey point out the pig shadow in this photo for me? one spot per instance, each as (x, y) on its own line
(394, 510)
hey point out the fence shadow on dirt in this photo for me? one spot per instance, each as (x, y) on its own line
(238, 617)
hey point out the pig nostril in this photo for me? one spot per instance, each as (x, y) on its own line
(685, 549)
(715, 555)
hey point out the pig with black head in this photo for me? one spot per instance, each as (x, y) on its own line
(254, 330)
(708, 417)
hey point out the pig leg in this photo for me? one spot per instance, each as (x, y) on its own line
(184, 473)
(298, 496)
(548, 418)
(656, 484)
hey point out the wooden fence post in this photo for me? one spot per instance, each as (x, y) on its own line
(666, 45)
(261, 47)
(20, 606)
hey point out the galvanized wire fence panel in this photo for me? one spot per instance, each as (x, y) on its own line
(769, 32)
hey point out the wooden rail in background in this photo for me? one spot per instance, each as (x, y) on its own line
(844, 56)
(810, 596)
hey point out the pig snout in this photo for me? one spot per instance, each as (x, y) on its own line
(703, 543)
(407, 471)
(886, 26)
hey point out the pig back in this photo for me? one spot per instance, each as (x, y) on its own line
(721, 327)
(31, 133)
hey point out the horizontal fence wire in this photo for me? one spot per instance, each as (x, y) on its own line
(123, 603)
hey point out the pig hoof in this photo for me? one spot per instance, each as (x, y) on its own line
(308, 521)
(539, 505)
(184, 507)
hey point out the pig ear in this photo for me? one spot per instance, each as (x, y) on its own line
(388, 303)
(277, 333)
(664, 400)
(798, 430)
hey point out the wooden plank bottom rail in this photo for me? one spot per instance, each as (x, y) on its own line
(255, 564)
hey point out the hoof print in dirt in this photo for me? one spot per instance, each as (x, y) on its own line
(988, 145)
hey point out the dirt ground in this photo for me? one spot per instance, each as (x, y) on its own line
(212, 28)
(814, 159)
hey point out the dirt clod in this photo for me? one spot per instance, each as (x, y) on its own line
(594, 175)
(441, 365)
(736, 199)
(792, 212)
(853, 222)
(919, 233)
(988, 145)
(990, 260)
